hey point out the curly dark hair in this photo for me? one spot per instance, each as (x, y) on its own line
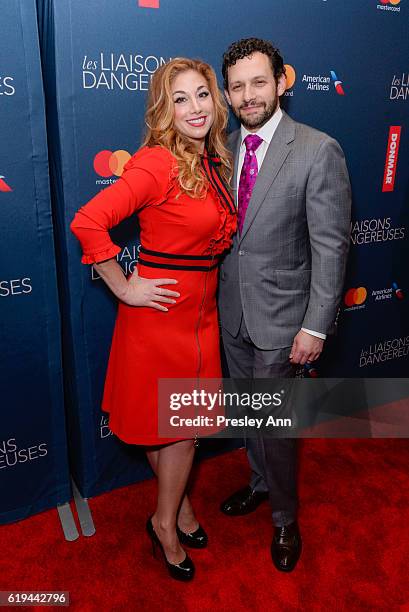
(247, 46)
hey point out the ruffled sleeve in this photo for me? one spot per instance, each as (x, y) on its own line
(146, 181)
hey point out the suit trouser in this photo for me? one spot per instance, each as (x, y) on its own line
(273, 461)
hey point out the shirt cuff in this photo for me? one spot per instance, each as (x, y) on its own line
(314, 333)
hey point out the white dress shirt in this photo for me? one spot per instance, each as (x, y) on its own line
(266, 133)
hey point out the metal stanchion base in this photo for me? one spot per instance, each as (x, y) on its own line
(67, 522)
(84, 512)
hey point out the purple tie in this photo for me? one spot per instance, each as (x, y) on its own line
(248, 176)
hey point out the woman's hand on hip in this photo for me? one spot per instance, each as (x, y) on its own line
(142, 291)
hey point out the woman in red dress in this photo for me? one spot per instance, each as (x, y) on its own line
(167, 324)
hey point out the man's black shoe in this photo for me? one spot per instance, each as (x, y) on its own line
(286, 547)
(243, 502)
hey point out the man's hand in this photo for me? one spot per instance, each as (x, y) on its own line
(306, 347)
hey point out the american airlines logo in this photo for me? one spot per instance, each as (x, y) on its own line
(3, 185)
(392, 152)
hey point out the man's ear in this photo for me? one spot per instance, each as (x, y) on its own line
(226, 93)
(281, 85)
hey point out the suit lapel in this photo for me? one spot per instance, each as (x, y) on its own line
(276, 155)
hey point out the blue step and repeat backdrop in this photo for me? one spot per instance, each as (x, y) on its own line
(348, 74)
(33, 443)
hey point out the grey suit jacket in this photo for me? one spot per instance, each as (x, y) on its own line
(286, 270)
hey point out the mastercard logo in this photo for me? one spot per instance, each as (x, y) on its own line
(289, 75)
(355, 297)
(108, 163)
(393, 2)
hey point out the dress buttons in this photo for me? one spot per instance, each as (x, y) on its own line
(242, 252)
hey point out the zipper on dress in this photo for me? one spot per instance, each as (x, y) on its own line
(199, 320)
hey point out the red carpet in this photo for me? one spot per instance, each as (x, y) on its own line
(354, 520)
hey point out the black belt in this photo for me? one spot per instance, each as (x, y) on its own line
(178, 261)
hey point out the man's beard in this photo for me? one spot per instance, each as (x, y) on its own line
(257, 121)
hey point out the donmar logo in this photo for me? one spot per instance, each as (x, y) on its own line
(148, 3)
(290, 76)
(355, 296)
(391, 162)
(108, 163)
(337, 84)
(3, 185)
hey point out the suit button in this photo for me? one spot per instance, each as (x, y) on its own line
(242, 252)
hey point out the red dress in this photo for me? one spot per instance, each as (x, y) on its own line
(181, 238)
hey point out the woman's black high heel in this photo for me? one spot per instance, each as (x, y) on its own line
(196, 539)
(184, 570)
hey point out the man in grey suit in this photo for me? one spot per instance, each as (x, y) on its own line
(281, 283)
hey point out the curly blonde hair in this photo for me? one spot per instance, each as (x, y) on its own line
(160, 130)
